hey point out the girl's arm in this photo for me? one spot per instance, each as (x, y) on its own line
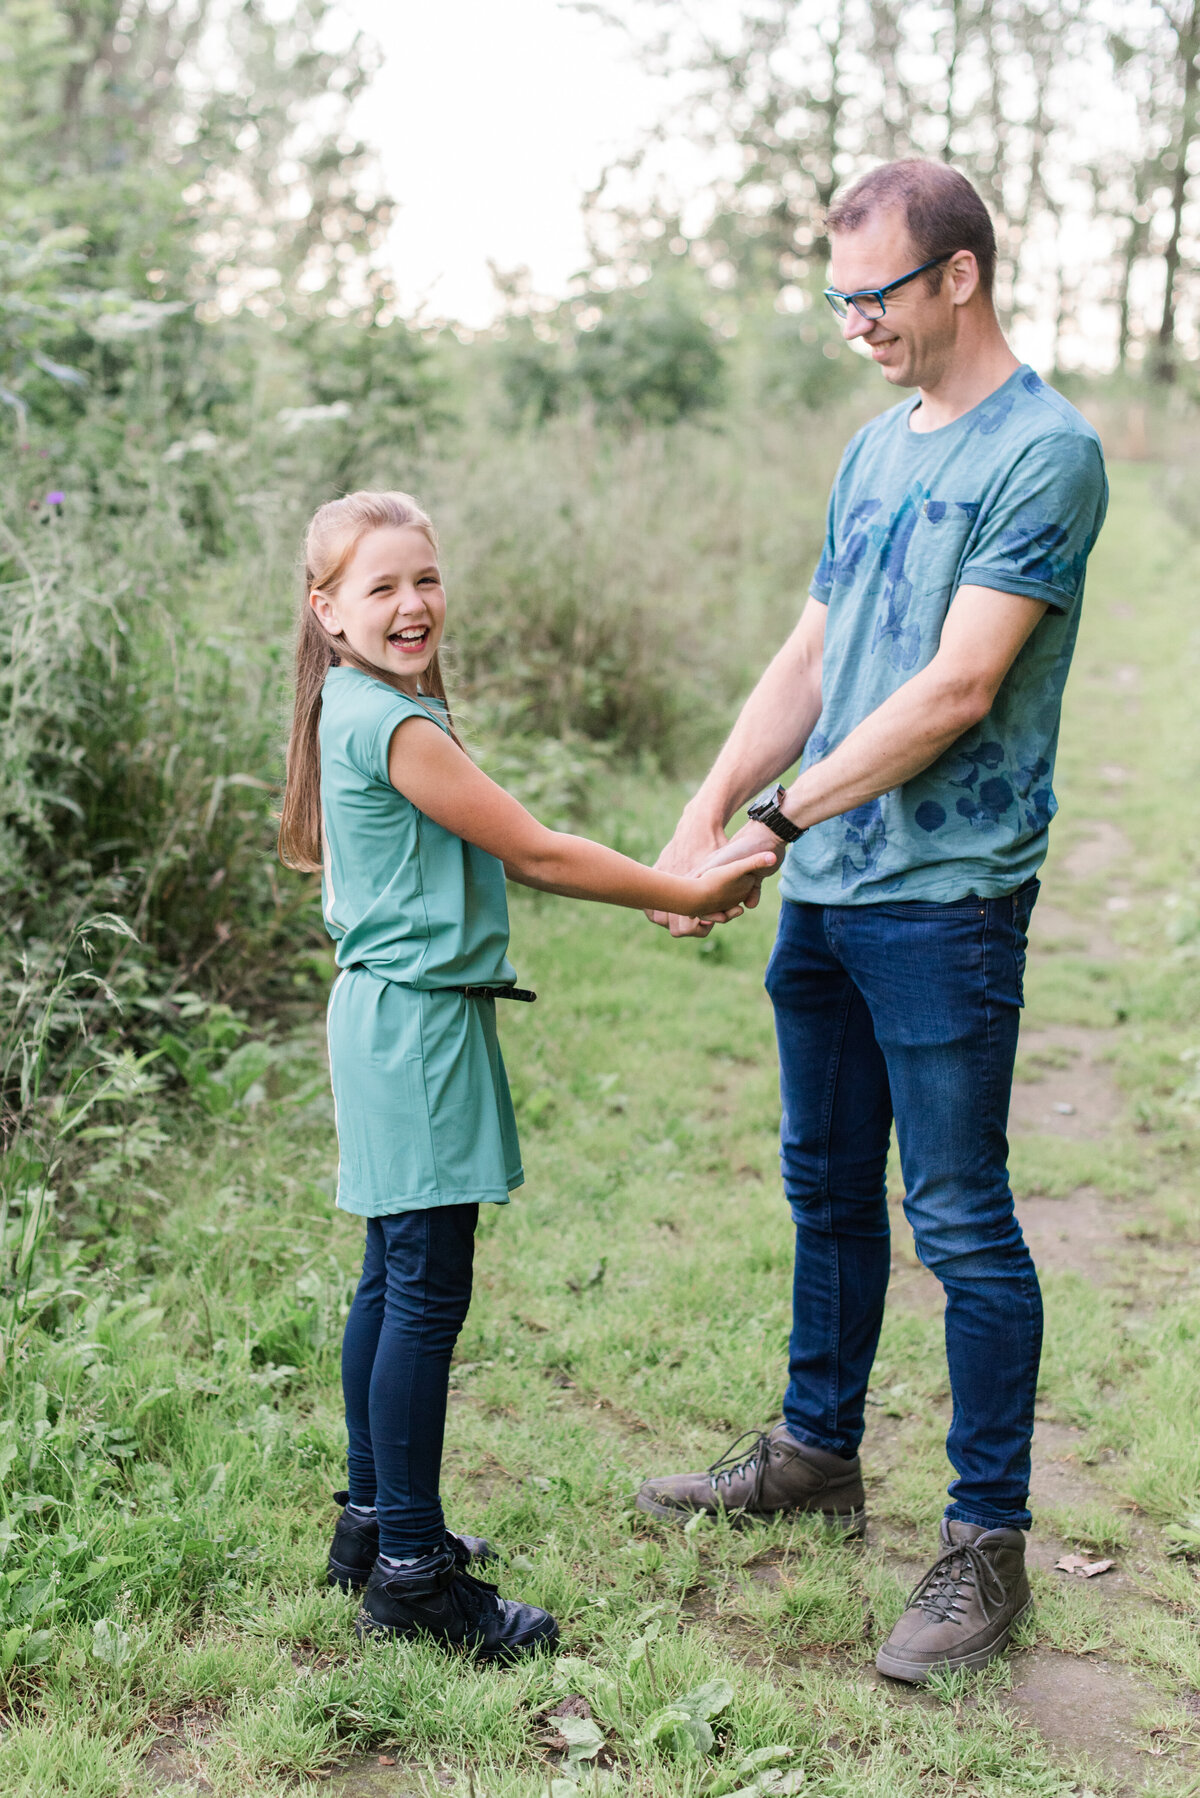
(431, 770)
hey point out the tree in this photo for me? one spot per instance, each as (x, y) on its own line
(201, 142)
(1184, 23)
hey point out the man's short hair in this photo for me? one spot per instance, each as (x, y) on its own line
(941, 208)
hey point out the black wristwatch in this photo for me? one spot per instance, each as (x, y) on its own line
(766, 810)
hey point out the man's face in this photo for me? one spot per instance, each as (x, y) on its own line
(913, 343)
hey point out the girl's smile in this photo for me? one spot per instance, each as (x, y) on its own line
(411, 640)
(389, 606)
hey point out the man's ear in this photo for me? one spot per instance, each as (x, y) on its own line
(963, 273)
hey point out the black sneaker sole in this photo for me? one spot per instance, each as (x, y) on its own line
(913, 1673)
(368, 1628)
(850, 1524)
(349, 1579)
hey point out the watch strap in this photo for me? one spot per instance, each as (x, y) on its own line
(767, 811)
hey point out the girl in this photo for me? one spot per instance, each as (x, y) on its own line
(414, 843)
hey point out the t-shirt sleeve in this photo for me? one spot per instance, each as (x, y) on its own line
(377, 713)
(1037, 535)
(821, 586)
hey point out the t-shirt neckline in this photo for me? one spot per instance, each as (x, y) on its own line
(941, 430)
(422, 699)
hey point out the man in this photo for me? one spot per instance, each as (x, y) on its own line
(923, 684)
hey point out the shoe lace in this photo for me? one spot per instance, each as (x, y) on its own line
(735, 1461)
(487, 1595)
(942, 1592)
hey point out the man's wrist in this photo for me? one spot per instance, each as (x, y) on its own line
(702, 812)
(797, 807)
(754, 836)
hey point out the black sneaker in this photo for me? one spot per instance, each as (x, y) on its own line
(435, 1597)
(355, 1548)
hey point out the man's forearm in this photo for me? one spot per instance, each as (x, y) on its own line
(772, 727)
(903, 737)
(983, 634)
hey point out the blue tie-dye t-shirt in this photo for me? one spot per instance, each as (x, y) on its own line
(1011, 496)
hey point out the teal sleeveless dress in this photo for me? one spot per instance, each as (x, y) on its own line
(424, 1115)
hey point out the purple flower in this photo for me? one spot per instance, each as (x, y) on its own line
(56, 498)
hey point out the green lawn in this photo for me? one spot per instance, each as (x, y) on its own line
(175, 1425)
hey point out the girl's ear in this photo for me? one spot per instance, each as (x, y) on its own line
(325, 612)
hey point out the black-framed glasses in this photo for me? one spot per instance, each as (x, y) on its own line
(868, 301)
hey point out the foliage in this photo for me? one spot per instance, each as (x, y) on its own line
(204, 145)
(591, 574)
(634, 356)
(36, 311)
(649, 357)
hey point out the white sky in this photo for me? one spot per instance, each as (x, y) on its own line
(492, 118)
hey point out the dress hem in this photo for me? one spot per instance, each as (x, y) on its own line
(488, 1195)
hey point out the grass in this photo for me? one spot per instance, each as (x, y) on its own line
(173, 1425)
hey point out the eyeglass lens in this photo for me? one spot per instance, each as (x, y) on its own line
(868, 304)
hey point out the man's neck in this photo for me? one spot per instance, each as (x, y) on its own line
(976, 370)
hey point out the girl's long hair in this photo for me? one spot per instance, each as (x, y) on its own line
(333, 536)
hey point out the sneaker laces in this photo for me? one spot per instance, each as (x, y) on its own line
(483, 1587)
(734, 1462)
(940, 1593)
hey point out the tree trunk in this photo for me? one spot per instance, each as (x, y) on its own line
(1188, 36)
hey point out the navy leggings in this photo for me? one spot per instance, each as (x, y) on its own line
(407, 1312)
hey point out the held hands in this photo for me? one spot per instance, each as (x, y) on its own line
(730, 883)
(701, 848)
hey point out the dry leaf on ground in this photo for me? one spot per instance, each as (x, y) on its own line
(1082, 1566)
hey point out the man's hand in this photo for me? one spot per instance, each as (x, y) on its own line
(771, 730)
(748, 841)
(696, 841)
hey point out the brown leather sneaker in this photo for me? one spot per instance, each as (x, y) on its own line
(764, 1475)
(962, 1613)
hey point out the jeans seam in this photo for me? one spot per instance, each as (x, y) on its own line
(834, 1394)
(406, 1498)
(987, 946)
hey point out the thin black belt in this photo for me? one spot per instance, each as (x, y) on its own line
(493, 992)
(469, 992)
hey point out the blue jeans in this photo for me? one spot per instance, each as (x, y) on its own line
(908, 1011)
(408, 1309)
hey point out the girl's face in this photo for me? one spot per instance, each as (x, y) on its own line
(389, 604)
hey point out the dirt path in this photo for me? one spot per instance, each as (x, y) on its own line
(1090, 1707)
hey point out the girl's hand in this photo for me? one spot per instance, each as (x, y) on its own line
(725, 890)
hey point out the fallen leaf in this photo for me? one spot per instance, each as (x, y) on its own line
(1082, 1566)
(584, 1738)
(387, 1760)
